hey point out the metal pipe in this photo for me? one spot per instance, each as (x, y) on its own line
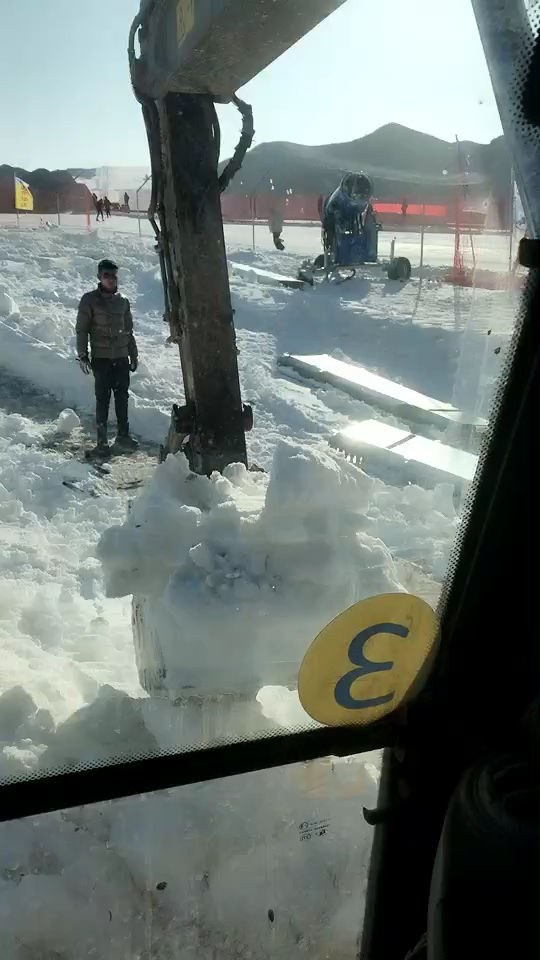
(507, 37)
(472, 249)
(146, 179)
(422, 232)
(511, 234)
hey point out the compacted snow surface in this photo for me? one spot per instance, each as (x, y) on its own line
(237, 574)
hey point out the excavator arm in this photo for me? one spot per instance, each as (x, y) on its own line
(194, 53)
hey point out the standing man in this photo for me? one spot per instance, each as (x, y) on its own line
(275, 225)
(126, 202)
(99, 209)
(104, 318)
(107, 205)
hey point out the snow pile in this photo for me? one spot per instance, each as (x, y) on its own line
(15, 429)
(240, 572)
(67, 421)
(60, 637)
(266, 863)
(416, 524)
(25, 732)
(8, 307)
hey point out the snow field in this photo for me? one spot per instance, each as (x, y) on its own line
(61, 639)
(412, 333)
(491, 250)
(239, 572)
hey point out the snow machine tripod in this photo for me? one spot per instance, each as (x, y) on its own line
(350, 235)
(189, 60)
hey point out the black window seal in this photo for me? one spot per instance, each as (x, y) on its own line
(119, 779)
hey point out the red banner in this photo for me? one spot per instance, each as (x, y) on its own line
(305, 207)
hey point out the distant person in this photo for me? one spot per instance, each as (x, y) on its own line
(104, 318)
(404, 208)
(94, 201)
(107, 206)
(126, 202)
(275, 225)
(99, 209)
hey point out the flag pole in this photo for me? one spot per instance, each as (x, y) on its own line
(15, 198)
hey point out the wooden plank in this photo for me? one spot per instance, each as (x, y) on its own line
(259, 275)
(409, 405)
(380, 445)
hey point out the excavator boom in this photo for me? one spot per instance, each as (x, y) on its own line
(192, 54)
(216, 46)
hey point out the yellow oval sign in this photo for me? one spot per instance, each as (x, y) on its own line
(362, 664)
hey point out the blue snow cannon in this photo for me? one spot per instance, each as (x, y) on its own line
(350, 230)
(350, 234)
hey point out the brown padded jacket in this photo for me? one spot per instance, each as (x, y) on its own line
(105, 319)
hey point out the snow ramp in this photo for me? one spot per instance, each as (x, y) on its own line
(409, 405)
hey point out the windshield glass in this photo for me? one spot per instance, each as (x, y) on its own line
(370, 379)
(368, 350)
(208, 870)
(185, 505)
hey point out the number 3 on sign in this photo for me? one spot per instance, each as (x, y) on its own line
(185, 19)
(363, 663)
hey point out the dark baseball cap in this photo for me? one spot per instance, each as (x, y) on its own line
(107, 265)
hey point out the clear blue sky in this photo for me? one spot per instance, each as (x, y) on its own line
(66, 100)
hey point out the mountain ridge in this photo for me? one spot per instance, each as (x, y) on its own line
(400, 160)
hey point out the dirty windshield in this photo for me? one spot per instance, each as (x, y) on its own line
(258, 281)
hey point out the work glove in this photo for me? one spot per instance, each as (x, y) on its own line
(84, 364)
(133, 364)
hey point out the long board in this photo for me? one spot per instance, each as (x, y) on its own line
(265, 276)
(409, 405)
(426, 462)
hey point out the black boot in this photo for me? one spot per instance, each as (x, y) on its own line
(123, 440)
(102, 448)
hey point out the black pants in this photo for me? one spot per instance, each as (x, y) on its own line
(111, 376)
